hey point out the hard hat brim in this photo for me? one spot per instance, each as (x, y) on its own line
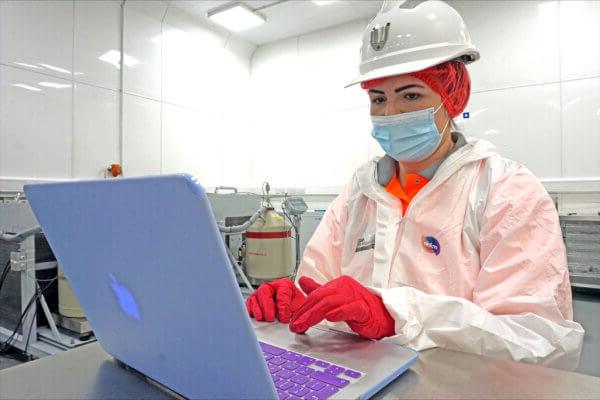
(414, 66)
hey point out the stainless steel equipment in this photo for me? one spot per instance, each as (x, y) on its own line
(310, 221)
(32, 269)
(237, 213)
(582, 239)
(233, 210)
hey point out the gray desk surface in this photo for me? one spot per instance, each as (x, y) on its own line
(90, 373)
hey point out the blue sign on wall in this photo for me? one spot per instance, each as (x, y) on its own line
(466, 115)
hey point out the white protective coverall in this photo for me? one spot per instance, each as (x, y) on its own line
(499, 285)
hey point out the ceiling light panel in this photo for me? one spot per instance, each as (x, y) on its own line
(237, 17)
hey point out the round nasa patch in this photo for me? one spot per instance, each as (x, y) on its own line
(432, 245)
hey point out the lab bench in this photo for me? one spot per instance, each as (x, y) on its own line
(89, 372)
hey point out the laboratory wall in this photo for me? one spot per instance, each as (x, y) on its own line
(67, 110)
(536, 95)
(200, 100)
(313, 129)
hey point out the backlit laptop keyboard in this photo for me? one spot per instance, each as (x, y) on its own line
(300, 377)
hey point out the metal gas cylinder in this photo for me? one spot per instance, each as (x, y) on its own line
(269, 247)
(68, 305)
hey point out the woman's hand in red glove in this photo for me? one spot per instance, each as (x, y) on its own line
(343, 299)
(276, 298)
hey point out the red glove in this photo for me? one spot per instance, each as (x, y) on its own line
(280, 296)
(343, 299)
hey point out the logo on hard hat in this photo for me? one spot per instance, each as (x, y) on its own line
(379, 36)
(431, 245)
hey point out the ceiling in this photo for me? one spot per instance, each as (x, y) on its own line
(287, 18)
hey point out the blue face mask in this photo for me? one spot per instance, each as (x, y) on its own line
(408, 137)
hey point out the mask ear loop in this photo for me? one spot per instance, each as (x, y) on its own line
(447, 122)
(444, 130)
(438, 108)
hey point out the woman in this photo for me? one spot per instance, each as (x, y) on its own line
(441, 242)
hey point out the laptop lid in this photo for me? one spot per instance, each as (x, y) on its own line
(146, 261)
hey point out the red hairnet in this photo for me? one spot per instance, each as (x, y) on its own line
(449, 79)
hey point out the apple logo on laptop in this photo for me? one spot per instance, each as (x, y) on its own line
(125, 298)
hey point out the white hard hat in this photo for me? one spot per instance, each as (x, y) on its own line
(411, 35)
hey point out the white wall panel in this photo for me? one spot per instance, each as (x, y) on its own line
(329, 61)
(581, 128)
(95, 130)
(35, 125)
(310, 72)
(38, 36)
(143, 47)
(81, 41)
(523, 123)
(291, 123)
(276, 155)
(275, 72)
(141, 136)
(309, 131)
(579, 39)
(319, 150)
(276, 78)
(192, 59)
(207, 73)
(242, 146)
(241, 48)
(192, 143)
(337, 143)
(97, 43)
(518, 41)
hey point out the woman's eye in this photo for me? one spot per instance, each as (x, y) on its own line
(412, 96)
(378, 100)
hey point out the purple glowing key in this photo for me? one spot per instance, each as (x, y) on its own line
(291, 356)
(284, 385)
(274, 368)
(295, 380)
(311, 396)
(308, 371)
(352, 374)
(290, 365)
(334, 370)
(267, 348)
(306, 361)
(325, 393)
(315, 385)
(285, 374)
(330, 379)
(299, 391)
(277, 361)
(300, 379)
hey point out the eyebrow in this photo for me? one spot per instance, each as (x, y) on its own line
(400, 89)
(408, 87)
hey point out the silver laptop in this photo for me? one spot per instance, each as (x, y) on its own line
(146, 261)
